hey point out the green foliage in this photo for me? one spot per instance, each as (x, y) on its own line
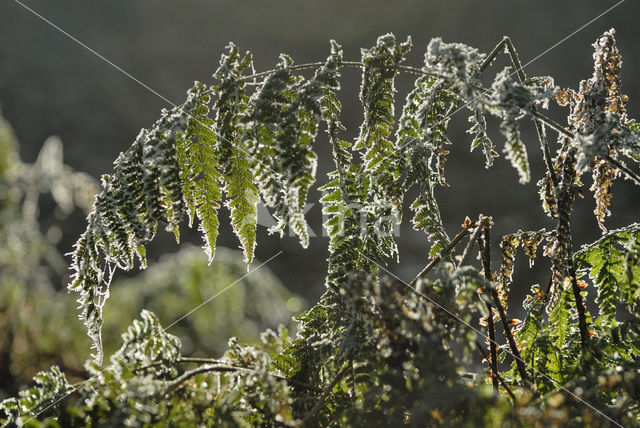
(34, 311)
(187, 160)
(373, 350)
(612, 264)
(51, 385)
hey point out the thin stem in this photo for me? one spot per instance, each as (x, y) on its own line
(325, 393)
(492, 347)
(476, 233)
(515, 58)
(196, 360)
(556, 126)
(622, 167)
(497, 377)
(177, 382)
(456, 239)
(213, 365)
(580, 307)
(356, 64)
(484, 243)
(507, 331)
(494, 53)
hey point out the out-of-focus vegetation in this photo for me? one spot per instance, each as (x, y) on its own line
(39, 325)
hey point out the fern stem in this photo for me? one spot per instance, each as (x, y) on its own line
(507, 331)
(213, 365)
(497, 378)
(456, 239)
(580, 307)
(492, 55)
(622, 167)
(355, 64)
(482, 222)
(556, 126)
(484, 243)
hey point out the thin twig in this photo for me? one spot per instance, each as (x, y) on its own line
(177, 382)
(507, 331)
(356, 64)
(491, 56)
(622, 167)
(456, 239)
(580, 307)
(213, 365)
(556, 126)
(484, 243)
(496, 376)
(467, 251)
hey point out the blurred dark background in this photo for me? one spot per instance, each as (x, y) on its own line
(51, 85)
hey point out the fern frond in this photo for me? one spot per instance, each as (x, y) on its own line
(50, 386)
(283, 127)
(143, 190)
(299, 129)
(563, 323)
(599, 120)
(603, 176)
(420, 137)
(509, 244)
(458, 65)
(381, 155)
(480, 138)
(505, 89)
(145, 343)
(268, 107)
(200, 169)
(546, 192)
(528, 332)
(231, 109)
(605, 263)
(359, 215)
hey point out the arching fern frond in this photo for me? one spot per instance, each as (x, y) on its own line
(190, 158)
(232, 112)
(269, 105)
(143, 191)
(422, 131)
